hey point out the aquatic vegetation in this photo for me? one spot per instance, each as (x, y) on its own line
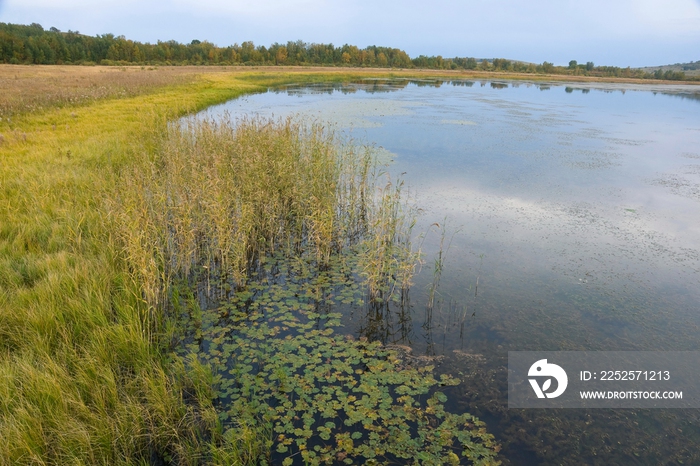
(325, 398)
(251, 233)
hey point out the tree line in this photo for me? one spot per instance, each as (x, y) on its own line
(21, 44)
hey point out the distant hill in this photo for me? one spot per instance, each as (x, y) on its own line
(690, 69)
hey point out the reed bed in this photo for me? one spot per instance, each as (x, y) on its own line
(205, 218)
(217, 197)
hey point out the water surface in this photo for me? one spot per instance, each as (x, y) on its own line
(573, 223)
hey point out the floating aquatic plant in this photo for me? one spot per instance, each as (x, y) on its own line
(326, 398)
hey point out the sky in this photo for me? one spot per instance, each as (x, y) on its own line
(607, 32)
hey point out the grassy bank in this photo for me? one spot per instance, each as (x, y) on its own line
(82, 382)
(86, 374)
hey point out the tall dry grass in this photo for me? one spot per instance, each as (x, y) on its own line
(217, 196)
(31, 89)
(84, 376)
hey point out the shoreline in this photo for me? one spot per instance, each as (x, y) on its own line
(378, 72)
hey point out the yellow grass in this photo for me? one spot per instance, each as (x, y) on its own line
(81, 382)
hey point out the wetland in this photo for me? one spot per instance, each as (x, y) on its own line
(342, 286)
(549, 217)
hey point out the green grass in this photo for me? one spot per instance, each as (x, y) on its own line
(81, 381)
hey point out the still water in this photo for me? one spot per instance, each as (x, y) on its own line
(571, 215)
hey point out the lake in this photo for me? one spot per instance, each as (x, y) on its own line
(570, 215)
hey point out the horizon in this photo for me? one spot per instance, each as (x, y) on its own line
(623, 33)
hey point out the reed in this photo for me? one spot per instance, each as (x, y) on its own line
(217, 196)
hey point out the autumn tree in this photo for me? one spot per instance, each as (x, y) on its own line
(547, 67)
(281, 55)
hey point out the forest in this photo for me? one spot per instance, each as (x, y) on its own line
(21, 44)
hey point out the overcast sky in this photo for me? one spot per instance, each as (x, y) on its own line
(607, 32)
